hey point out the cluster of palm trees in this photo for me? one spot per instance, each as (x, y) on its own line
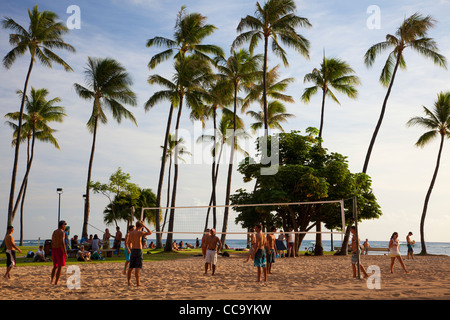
(210, 84)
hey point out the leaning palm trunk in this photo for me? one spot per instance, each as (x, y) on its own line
(11, 213)
(427, 198)
(161, 178)
(169, 238)
(230, 172)
(266, 122)
(91, 161)
(383, 109)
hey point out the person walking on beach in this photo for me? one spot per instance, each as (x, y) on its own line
(213, 245)
(260, 254)
(117, 240)
(291, 243)
(59, 253)
(252, 240)
(410, 244)
(134, 247)
(206, 234)
(355, 251)
(127, 249)
(394, 252)
(271, 249)
(366, 247)
(10, 252)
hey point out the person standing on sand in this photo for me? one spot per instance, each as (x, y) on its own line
(127, 249)
(410, 244)
(271, 249)
(260, 254)
(134, 247)
(117, 240)
(291, 243)
(355, 250)
(59, 253)
(394, 252)
(366, 246)
(212, 241)
(252, 240)
(10, 252)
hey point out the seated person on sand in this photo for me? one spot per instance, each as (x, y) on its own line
(40, 255)
(83, 255)
(74, 242)
(174, 245)
(190, 246)
(152, 245)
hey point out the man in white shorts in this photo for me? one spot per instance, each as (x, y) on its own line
(211, 250)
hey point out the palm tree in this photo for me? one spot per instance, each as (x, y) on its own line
(108, 87)
(220, 138)
(190, 31)
(191, 76)
(276, 113)
(275, 20)
(43, 34)
(169, 155)
(437, 122)
(332, 74)
(39, 112)
(411, 34)
(240, 68)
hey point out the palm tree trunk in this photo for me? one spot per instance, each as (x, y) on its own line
(161, 178)
(91, 161)
(211, 199)
(24, 193)
(169, 238)
(427, 198)
(383, 109)
(168, 193)
(266, 122)
(322, 115)
(230, 172)
(16, 152)
(213, 173)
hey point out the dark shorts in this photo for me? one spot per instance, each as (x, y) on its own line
(270, 256)
(10, 258)
(280, 245)
(136, 258)
(410, 248)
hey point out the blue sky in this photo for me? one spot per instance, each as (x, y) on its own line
(119, 29)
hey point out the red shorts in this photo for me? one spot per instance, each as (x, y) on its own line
(58, 257)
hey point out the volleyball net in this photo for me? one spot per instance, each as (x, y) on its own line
(191, 221)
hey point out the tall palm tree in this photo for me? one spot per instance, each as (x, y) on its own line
(108, 87)
(411, 34)
(190, 31)
(169, 155)
(220, 138)
(332, 74)
(275, 20)
(241, 67)
(437, 122)
(191, 76)
(43, 34)
(39, 112)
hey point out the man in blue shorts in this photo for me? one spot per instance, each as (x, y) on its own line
(260, 255)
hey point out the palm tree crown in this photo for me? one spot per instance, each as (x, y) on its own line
(190, 30)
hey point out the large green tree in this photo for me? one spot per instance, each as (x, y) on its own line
(108, 87)
(306, 173)
(43, 34)
(437, 123)
(275, 21)
(413, 34)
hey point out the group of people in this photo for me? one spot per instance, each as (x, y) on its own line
(394, 251)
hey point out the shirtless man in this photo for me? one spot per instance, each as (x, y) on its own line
(271, 249)
(410, 245)
(59, 253)
(211, 250)
(117, 240)
(205, 235)
(10, 252)
(260, 254)
(134, 247)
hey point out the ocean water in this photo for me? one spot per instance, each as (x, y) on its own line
(432, 247)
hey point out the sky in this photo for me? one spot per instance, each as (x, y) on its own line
(400, 171)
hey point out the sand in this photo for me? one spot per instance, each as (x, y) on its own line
(301, 278)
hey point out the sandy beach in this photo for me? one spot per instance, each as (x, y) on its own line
(301, 278)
